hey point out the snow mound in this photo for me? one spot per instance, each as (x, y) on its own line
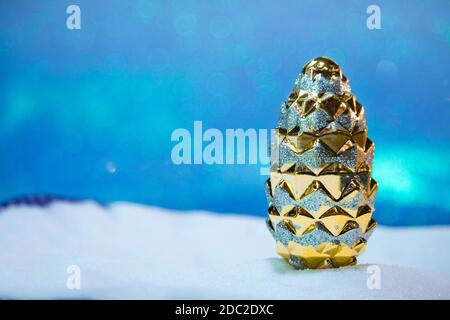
(129, 251)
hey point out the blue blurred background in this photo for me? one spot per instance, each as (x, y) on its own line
(89, 113)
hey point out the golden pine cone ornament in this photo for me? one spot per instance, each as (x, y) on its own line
(320, 191)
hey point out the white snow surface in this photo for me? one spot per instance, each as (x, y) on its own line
(130, 251)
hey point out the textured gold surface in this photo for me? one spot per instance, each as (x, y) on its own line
(324, 66)
(320, 191)
(325, 255)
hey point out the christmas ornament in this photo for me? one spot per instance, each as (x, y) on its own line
(320, 191)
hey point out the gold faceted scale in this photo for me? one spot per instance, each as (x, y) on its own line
(321, 194)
